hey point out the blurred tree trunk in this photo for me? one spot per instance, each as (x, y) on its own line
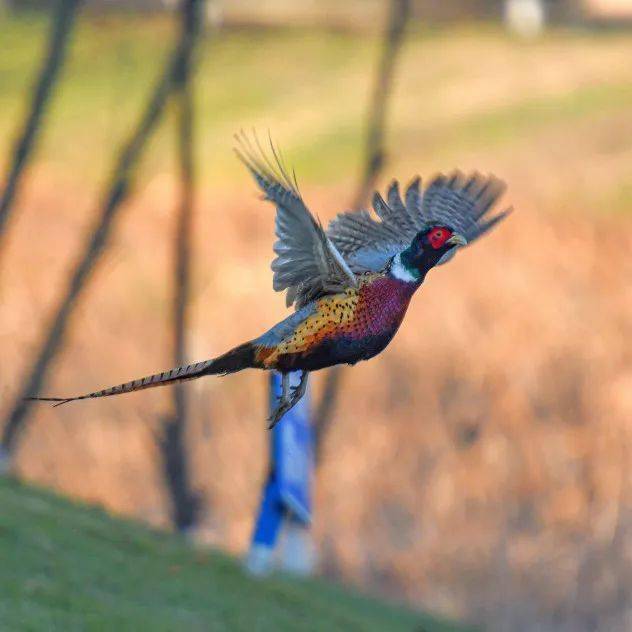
(185, 502)
(61, 27)
(375, 153)
(116, 192)
(375, 156)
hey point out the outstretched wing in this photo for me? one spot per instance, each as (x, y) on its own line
(307, 264)
(460, 202)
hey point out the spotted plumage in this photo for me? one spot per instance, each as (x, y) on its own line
(341, 328)
(350, 284)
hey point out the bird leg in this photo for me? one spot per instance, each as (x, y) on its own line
(290, 396)
(299, 390)
(284, 400)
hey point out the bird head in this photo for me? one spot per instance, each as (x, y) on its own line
(430, 247)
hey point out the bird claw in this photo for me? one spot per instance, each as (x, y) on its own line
(275, 417)
(289, 398)
(285, 406)
(280, 410)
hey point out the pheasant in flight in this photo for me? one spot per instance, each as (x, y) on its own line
(350, 284)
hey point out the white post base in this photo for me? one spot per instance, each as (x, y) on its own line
(259, 561)
(297, 554)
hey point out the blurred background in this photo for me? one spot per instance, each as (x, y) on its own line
(480, 467)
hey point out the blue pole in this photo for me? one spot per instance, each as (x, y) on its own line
(286, 501)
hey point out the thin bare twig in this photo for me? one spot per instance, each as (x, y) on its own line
(61, 28)
(375, 152)
(185, 502)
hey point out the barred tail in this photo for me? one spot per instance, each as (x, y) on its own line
(242, 357)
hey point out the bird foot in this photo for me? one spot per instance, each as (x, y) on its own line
(289, 398)
(284, 406)
(276, 415)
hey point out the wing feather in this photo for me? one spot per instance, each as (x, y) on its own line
(460, 202)
(307, 262)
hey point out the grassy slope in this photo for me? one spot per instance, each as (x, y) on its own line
(66, 566)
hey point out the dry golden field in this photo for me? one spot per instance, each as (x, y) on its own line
(480, 467)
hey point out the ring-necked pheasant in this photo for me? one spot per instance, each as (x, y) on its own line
(351, 284)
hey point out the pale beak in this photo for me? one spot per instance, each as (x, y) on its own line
(456, 240)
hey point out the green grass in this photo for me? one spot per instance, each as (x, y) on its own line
(66, 566)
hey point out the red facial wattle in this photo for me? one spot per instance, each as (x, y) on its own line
(438, 236)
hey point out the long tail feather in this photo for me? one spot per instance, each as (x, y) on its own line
(236, 359)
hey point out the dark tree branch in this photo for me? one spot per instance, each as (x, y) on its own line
(375, 152)
(61, 28)
(325, 409)
(375, 158)
(116, 192)
(184, 501)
